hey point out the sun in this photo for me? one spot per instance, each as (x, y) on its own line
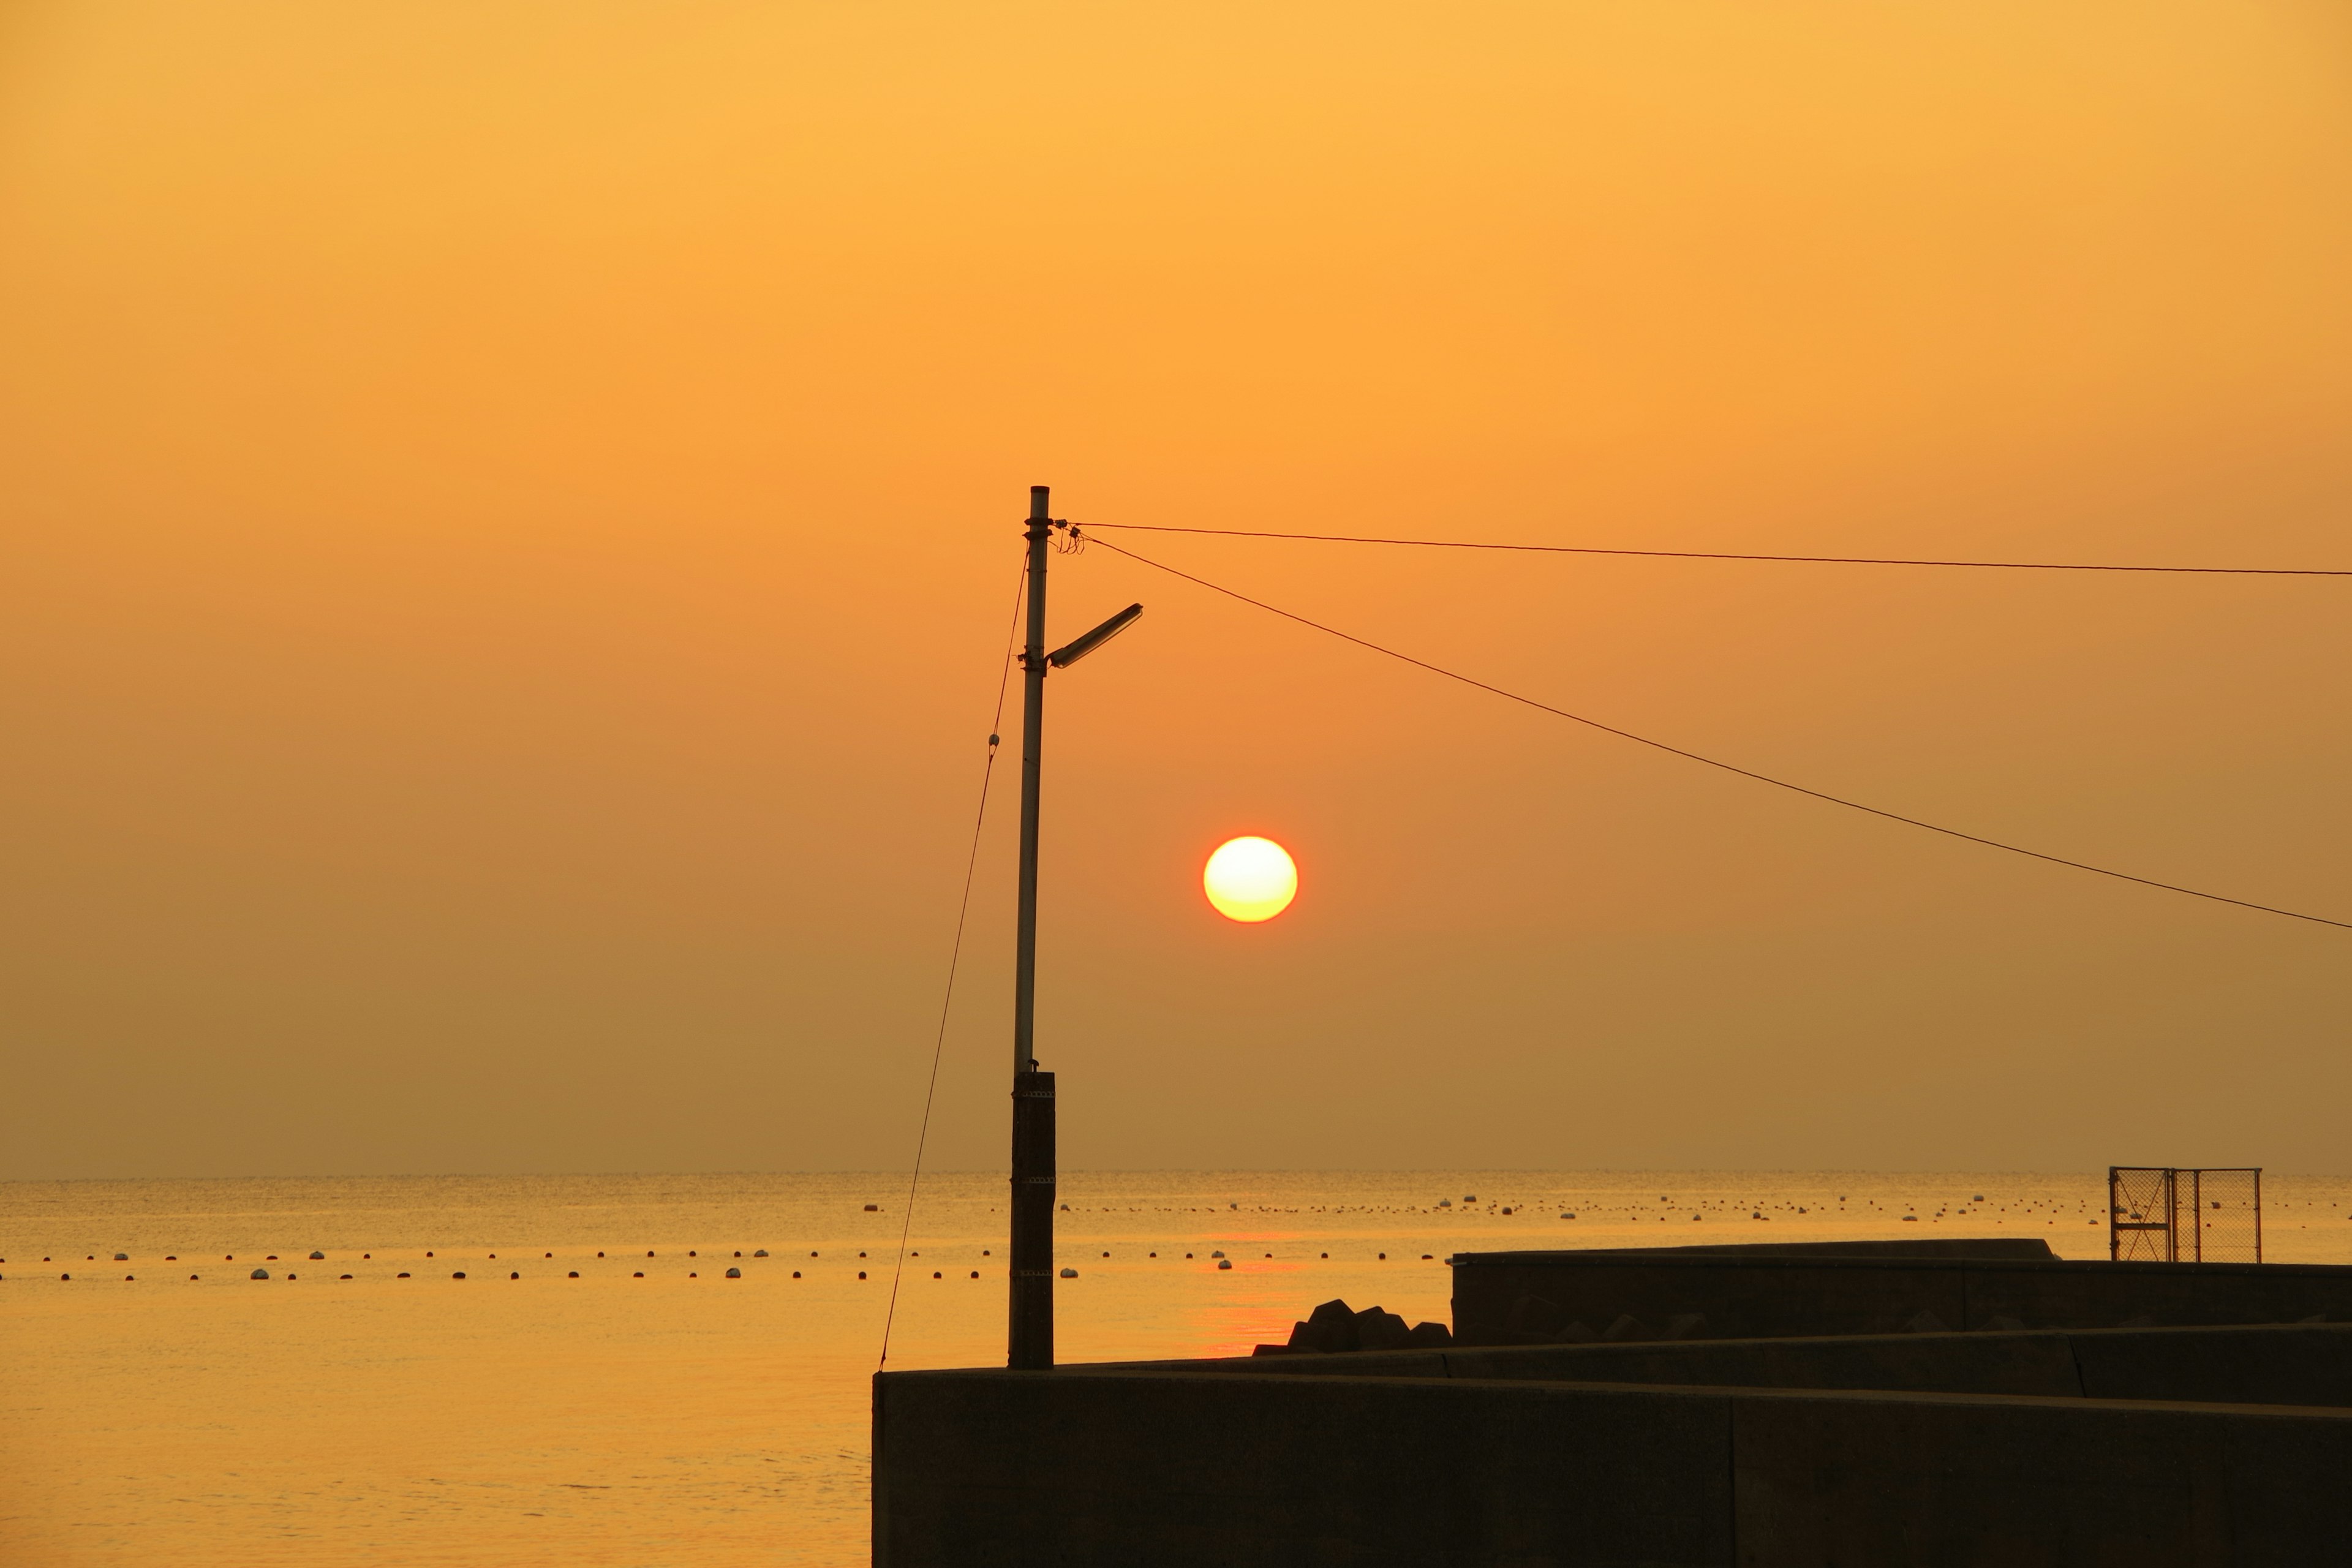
(1250, 879)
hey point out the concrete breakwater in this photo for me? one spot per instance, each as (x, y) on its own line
(2186, 1445)
(1332, 1328)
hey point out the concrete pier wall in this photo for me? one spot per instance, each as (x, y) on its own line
(1124, 1466)
(1520, 1298)
(2261, 1364)
(1782, 1424)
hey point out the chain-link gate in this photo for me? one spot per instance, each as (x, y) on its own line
(2156, 1213)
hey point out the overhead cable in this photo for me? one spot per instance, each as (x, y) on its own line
(1711, 762)
(1731, 555)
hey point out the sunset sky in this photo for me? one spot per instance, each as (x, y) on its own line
(509, 513)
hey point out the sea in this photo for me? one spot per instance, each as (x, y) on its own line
(641, 1370)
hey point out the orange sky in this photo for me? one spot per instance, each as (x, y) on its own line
(507, 512)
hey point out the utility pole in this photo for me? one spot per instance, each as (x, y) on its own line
(1030, 1321)
(1030, 1328)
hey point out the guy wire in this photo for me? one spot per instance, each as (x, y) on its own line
(955, 953)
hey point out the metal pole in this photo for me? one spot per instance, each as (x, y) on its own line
(1030, 1320)
(2258, 1214)
(2195, 1216)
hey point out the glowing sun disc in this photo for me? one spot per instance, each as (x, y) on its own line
(1250, 879)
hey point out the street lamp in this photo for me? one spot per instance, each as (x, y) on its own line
(1030, 1319)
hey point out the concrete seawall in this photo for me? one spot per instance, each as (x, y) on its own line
(1812, 1437)
(2290, 1363)
(1138, 1468)
(1520, 1298)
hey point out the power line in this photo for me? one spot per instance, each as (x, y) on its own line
(1729, 555)
(1710, 762)
(955, 955)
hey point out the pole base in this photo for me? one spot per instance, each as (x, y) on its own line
(1030, 1328)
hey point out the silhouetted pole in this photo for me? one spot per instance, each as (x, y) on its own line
(1030, 1329)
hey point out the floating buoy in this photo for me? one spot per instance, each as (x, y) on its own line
(1067, 1274)
(317, 1256)
(935, 1275)
(690, 1274)
(873, 1208)
(639, 1275)
(861, 1274)
(796, 1273)
(65, 1276)
(691, 1253)
(1384, 1258)
(273, 1257)
(125, 1258)
(1327, 1255)
(514, 1276)
(761, 1252)
(600, 1255)
(1217, 1254)
(258, 1274)
(734, 1274)
(402, 1274)
(975, 1273)
(575, 1274)
(459, 1275)
(1224, 1263)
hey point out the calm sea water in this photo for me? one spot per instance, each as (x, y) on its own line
(368, 1407)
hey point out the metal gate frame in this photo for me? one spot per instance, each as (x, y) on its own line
(2152, 1233)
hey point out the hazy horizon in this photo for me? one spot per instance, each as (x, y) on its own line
(899, 1177)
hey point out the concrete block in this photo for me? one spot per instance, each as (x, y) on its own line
(1331, 1328)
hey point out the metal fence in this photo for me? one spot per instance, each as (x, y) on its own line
(2158, 1213)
